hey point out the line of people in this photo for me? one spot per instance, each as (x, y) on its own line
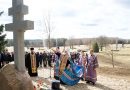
(44, 58)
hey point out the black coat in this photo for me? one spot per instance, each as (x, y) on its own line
(28, 65)
(6, 57)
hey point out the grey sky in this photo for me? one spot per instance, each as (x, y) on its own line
(77, 18)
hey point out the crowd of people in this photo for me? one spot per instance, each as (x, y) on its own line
(74, 66)
(69, 66)
(6, 57)
(44, 58)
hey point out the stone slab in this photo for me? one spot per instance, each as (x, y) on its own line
(22, 9)
(23, 25)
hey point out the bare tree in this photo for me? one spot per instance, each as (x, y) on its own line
(64, 42)
(80, 42)
(48, 29)
(111, 53)
(102, 41)
(71, 42)
(116, 43)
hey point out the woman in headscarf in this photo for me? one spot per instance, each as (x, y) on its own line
(92, 64)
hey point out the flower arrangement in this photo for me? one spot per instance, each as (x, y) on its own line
(39, 85)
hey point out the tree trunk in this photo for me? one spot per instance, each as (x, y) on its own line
(112, 59)
(101, 48)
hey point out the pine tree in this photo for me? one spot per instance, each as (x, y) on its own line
(96, 47)
(3, 42)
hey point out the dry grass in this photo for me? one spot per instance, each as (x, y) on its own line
(121, 61)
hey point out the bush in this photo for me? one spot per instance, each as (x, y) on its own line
(95, 47)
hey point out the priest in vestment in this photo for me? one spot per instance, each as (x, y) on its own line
(31, 63)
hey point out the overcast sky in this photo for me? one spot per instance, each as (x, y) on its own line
(74, 18)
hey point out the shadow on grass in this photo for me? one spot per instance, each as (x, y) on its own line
(79, 86)
(84, 86)
(103, 87)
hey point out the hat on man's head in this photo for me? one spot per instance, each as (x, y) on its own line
(32, 48)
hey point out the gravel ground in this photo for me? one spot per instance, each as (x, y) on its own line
(104, 82)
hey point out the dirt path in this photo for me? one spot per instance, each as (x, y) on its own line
(105, 82)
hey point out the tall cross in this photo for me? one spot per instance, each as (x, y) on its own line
(18, 27)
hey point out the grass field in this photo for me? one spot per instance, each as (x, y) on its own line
(121, 62)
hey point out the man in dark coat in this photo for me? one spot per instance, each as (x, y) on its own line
(44, 59)
(1, 61)
(31, 63)
(6, 57)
